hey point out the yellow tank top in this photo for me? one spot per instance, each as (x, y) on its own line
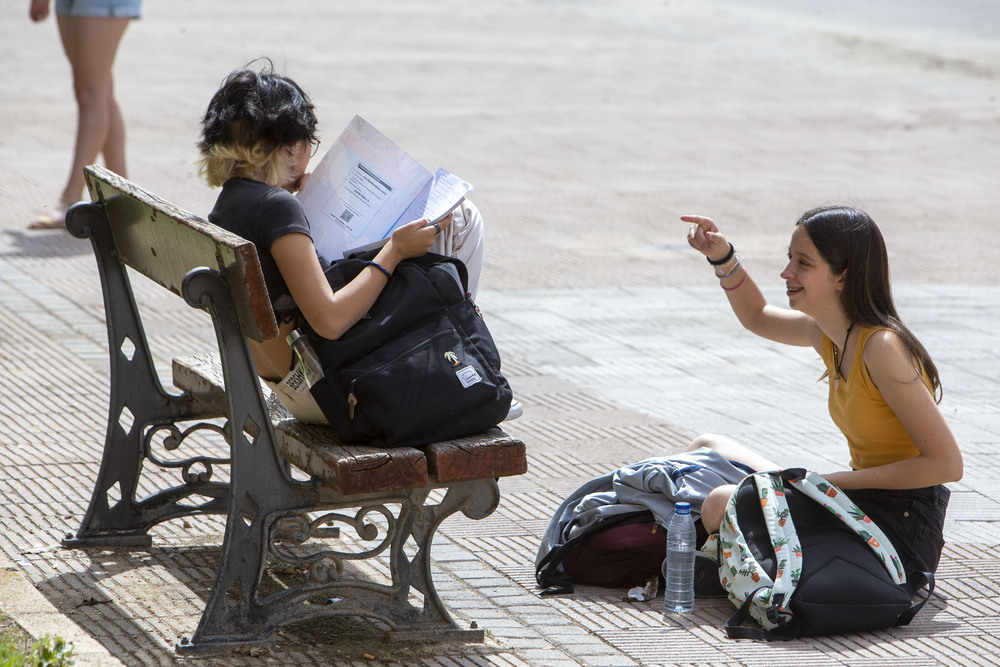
(874, 434)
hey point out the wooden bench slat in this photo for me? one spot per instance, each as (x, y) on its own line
(201, 376)
(490, 454)
(350, 469)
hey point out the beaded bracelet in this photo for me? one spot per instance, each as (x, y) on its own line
(380, 268)
(725, 259)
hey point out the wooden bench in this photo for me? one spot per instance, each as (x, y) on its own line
(272, 513)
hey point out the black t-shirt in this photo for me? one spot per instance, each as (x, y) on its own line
(261, 213)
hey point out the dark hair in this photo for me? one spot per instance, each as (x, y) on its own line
(848, 239)
(258, 107)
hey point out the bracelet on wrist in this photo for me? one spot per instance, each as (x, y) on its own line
(737, 285)
(720, 262)
(731, 272)
(380, 268)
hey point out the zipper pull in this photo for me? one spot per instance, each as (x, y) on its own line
(352, 400)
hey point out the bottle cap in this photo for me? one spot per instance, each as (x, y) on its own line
(292, 337)
(682, 508)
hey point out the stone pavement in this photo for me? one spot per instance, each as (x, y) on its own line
(587, 127)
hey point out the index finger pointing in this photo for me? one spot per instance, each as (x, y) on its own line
(698, 219)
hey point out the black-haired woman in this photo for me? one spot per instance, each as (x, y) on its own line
(258, 135)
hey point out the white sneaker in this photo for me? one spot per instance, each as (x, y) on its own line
(515, 410)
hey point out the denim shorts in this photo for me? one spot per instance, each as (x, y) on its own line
(106, 8)
(913, 519)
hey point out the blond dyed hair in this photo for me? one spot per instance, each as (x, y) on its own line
(272, 166)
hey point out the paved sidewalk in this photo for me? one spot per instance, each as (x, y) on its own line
(587, 127)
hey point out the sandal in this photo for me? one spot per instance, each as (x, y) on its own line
(52, 219)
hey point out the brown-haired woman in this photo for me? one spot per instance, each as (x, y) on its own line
(883, 387)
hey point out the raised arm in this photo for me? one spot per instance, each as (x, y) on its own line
(748, 303)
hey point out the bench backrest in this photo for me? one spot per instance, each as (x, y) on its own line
(164, 243)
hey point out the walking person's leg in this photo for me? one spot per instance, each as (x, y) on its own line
(91, 44)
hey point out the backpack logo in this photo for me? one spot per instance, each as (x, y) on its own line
(451, 358)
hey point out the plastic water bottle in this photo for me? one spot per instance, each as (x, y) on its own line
(311, 369)
(678, 568)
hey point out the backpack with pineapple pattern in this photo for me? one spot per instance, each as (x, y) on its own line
(799, 558)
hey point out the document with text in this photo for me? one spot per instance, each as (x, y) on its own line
(366, 186)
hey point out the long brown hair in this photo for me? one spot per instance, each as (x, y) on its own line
(848, 239)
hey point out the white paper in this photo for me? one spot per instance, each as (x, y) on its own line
(441, 194)
(365, 186)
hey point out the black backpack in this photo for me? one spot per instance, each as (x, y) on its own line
(419, 367)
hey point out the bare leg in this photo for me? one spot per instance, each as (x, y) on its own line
(732, 450)
(714, 507)
(90, 44)
(113, 149)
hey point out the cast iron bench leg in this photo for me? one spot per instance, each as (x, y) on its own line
(138, 406)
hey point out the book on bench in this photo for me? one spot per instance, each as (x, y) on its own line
(366, 186)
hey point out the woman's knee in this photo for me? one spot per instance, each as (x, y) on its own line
(709, 440)
(714, 507)
(464, 240)
(94, 93)
(732, 451)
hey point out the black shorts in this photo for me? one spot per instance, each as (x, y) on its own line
(913, 519)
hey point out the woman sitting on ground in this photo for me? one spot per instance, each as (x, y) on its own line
(883, 386)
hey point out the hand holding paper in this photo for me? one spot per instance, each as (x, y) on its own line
(366, 186)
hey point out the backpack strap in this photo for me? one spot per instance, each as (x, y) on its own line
(836, 501)
(788, 553)
(917, 581)
(746, 579)
(736, 630)
(784, 541)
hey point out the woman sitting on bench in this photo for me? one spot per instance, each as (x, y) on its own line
(258, 135)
